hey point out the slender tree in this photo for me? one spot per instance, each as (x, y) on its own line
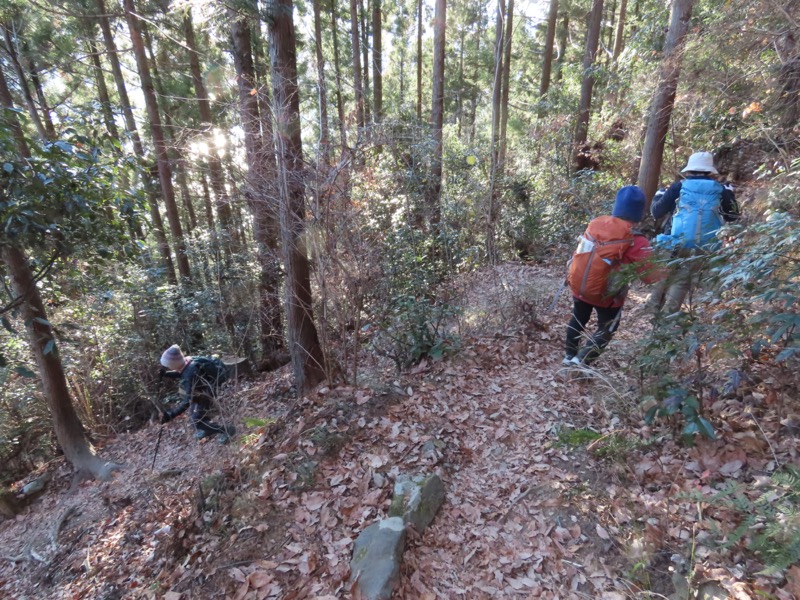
(156, 132)
(437, 114)
(36, 82)
(11, 49)
(364, 31)
(338, 75)
(138, 148)
(506, 84)
(357, 85)
(308, 361)
(419, 60)
(102, 90)
(664, 98)
(324, 132)
(619, 38)
(497, 95)
(377, 60)
(550, 36)
(260, 193)
(563, 37)
(587, 82)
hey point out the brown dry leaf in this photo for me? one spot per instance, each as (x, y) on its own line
(259, 579)
(793, 581)
(173, 596)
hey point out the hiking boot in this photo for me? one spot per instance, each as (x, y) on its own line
(567, 361)
(225, 436)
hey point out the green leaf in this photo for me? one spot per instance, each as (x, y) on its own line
(786, 353)
(650, 415)
(42, 321)
(24, 371)
(49, 346)
(706, 428)
(691, 428)
(8, 167)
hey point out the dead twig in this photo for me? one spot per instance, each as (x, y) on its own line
(59, 524)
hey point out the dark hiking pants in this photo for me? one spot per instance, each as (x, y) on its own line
(607, 323)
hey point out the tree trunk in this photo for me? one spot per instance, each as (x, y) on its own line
(138, 148)
(377, 60)
(547, 61)
(619, 38)
(260, 173)
(419, 60)
(338, 72)
(462, 36)
(563, 37)
(215, 172)
(437, 116)
(324, 133)
(37, 86)
(308, 360)
(584, 108)
(475, 90)
(497, 94)
(664, 99)
(357, 86)
(33, 112)
(209, 208)
(102, 91)
(162, 156)
(506, 84)
(612, 14)
(365, 59)
(69, 430)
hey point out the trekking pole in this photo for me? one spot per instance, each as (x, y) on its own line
(158, 443)
(557, 296)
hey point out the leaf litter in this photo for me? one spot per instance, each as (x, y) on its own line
(275, 514)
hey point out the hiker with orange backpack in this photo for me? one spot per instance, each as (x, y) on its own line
(608, 243)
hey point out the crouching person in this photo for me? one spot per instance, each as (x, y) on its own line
(608, 243)
(200, 381)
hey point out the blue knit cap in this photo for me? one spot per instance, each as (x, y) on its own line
(629, 204)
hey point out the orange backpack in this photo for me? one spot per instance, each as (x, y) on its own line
(599, 253)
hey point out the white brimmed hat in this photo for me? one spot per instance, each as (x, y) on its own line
(173, 358)
(701, 162)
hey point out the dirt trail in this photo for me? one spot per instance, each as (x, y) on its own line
(523, 516)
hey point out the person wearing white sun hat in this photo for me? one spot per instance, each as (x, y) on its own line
(701, 205)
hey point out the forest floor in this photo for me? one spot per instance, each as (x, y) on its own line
(532, 510)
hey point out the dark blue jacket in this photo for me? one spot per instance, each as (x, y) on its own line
(665, 204)
(200, 382)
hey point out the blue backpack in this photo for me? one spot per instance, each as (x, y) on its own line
(697, 218)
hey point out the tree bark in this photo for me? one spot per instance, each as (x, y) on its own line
(550, 36)
(138, 148)
(506, 85)
(322, 90)
(68, 428)
(377, 60)
(584, 108)
(563, 37)
(102, 91)
(419, 60)
(497, 94)
(162, 156)
(664, 99)
(437, 115)
(37, 86)
(357, 85)
(260, 173)
(209, 208)
(308, 361)
(619, 38)
(338, 73)
(365, 59)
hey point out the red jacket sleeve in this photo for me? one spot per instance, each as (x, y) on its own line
(640, 253)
